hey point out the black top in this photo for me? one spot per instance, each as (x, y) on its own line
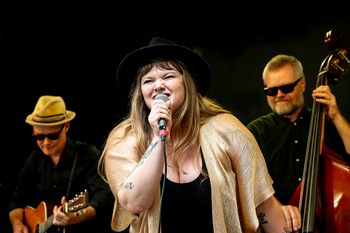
(186, 207)
(41, 180)
(283, 144)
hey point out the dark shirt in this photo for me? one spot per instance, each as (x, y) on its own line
(284, 143)
(41, 180)
(187, 206)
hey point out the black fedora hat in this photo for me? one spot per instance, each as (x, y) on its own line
(160, 48)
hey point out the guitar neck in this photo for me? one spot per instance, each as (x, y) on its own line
(43, 227)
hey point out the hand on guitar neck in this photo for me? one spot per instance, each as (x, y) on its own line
(37, 221)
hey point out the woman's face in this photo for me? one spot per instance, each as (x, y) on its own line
(167, 81)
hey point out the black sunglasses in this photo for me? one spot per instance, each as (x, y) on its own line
(50, 136)
(287, 88)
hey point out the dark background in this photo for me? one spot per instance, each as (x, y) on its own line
(74, 53)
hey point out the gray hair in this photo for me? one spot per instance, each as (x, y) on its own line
(280, 61)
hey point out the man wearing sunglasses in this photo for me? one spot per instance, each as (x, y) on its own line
(58, 170)
(283, 133)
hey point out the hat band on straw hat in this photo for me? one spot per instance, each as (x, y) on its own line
(50, 111)
(49, 119)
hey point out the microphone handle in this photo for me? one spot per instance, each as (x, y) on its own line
(162, 124)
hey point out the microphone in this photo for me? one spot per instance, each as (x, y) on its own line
(162, 122)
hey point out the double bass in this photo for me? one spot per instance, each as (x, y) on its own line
(324, 192)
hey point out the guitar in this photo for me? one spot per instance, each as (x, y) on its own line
(36, 218)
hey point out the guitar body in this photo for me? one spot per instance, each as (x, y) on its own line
(37, 221)
(36, 218)
(33, 217)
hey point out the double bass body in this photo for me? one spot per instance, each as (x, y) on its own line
(323, 196)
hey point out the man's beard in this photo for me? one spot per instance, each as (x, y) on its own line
(286, 108)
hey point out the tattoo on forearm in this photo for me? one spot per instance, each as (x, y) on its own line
(261, 217)
(263, 220)
(129, 185)
(145, 155)
(150, 149)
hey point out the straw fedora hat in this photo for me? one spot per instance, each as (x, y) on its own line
(160, 48)
(50, 111)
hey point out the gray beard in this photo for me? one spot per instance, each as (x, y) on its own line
(287, 108)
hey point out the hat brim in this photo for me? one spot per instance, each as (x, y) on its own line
(69, 116)
(198, 67)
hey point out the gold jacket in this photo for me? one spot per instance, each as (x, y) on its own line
(238, 177)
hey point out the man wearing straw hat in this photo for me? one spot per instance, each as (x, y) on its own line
(59, 170)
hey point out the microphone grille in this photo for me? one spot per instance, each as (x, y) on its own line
(161, 97)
